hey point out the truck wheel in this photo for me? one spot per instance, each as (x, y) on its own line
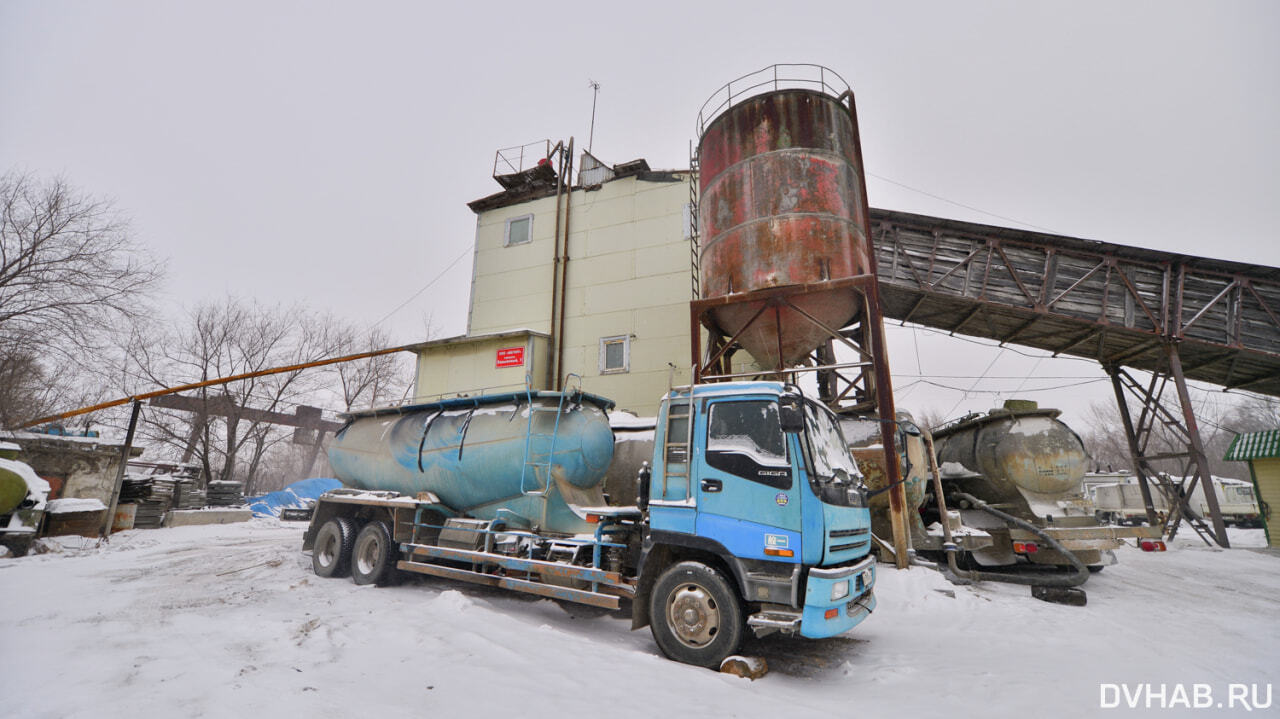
(373, 559)
(695, 615)
(331, 556)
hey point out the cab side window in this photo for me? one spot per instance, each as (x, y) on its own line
(745, 439)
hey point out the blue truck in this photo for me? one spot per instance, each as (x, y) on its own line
(751, 517)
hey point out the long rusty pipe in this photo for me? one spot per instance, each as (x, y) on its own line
(873, 320)
(552, 348)
(564, 274)
(211, 382)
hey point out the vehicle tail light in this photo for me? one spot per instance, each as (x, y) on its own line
(1152, 545)
(1025, 547)
(832, 613)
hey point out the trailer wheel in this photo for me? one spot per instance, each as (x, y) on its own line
(373, 559)
(331, 556)
(695, 615)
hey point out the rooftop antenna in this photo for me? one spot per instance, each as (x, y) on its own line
(595, 92)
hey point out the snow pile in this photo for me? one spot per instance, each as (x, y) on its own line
(224, 620)
(622, 419)
(37, 487)
(69, 505)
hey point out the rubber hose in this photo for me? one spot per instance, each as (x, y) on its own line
(1073, 580)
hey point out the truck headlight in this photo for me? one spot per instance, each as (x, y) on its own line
(839, 590)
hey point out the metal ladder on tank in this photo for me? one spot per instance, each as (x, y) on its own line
(694, 260)
(531, 462)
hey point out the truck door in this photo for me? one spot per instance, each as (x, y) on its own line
(745, 481)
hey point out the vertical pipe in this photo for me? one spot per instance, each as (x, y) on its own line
(564, 274)
(124, 459)
(874, 321)
(555, 274)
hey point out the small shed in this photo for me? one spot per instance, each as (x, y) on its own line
(1262, 451)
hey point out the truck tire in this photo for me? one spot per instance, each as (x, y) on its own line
(695, 615)
(331, 555)
(373, 559)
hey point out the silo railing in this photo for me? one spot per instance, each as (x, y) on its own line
(783, 76)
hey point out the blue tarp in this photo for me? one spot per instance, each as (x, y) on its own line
(299, 494)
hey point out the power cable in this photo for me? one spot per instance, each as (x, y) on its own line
(1001, 391)
(959, 204)
(965, 396)
(428, 285)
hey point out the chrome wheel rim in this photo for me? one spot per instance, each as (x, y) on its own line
(328, 551)
(693, 615)
(367, 559)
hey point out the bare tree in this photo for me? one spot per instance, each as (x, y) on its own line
(1218, 419)
(70, 276)
(226, 433)
(369, 382)
(230, 338)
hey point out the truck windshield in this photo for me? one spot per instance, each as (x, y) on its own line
(831, 458)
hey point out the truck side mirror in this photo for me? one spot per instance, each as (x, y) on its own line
(791, 413)
(643, 478)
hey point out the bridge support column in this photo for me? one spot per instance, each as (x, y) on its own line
(1182, 430)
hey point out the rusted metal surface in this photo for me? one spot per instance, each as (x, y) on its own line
(783, 248)
(780, 204)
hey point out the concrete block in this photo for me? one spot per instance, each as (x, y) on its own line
(189, 517)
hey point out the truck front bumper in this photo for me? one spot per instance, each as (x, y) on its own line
(838, 599)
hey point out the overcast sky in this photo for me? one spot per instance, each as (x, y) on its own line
(323, 153)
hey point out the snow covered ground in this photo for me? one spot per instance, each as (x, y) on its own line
(229, 621)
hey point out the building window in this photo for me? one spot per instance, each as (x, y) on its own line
(615, 354)
(519, 230)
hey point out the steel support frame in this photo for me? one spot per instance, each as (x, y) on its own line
(1149, 296)
(1152, 413)
(869, 383)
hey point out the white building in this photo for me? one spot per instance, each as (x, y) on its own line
(627, 287)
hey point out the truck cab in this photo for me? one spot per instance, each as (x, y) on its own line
(757, 519)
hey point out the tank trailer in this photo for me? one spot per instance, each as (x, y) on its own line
(1011, 487)
(1022, 462)
(751, 517)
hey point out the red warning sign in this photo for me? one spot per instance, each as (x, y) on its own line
(510, 357)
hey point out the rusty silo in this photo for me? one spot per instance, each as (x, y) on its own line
(781, 204)
(783, 249)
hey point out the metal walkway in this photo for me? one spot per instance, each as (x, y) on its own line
(1176, 316)
(1111, 303)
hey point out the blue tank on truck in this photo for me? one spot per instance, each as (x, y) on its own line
(752, 516)
(525, 457)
